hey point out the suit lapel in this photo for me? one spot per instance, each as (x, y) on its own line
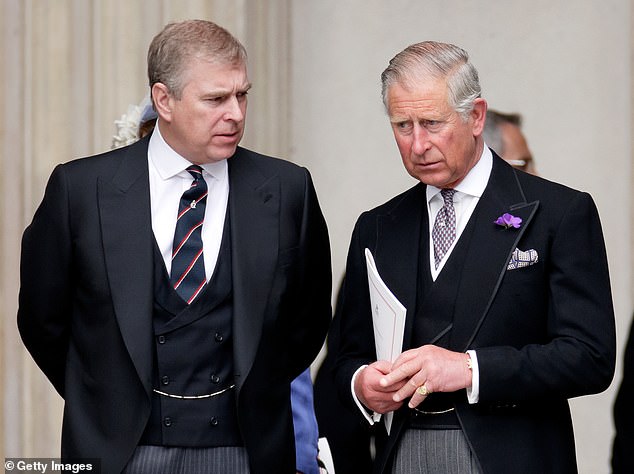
(254, 201)
(397, 250)
(126, 225)
(489, 251)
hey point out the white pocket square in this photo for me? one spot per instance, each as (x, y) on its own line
(522, 258)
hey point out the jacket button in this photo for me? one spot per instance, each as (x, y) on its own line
(161, 339)
(167, 421)
(214, 378)
(213, 421)
(165, 380)
(219, 337)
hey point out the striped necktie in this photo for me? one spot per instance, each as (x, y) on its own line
(188, 266)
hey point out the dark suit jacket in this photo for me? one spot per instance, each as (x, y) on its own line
(349, 437)
(86, 299)
(542, 334)
(622, 459)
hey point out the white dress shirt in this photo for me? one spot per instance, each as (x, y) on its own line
(467, 196)
(468, 193)
(169, 179)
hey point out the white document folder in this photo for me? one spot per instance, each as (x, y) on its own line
(388, 318)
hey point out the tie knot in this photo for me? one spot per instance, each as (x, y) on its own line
(196, 171)
(447, 196)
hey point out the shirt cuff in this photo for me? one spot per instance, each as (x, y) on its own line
(473, 392)
(370, 417)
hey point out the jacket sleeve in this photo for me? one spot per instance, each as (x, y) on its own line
(314, 282)
(45, 282)
(352, 317)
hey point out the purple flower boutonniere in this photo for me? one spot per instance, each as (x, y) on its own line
(507, 221)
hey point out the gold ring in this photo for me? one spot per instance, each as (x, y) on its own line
(422, 390)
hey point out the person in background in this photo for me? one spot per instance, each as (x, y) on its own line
(505, 281)
(305, 424)
(172, 289)
(503, 133)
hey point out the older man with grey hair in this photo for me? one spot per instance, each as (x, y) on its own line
(505, 282)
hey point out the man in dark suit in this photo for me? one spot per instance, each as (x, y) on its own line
(504, 277)
(172, 290)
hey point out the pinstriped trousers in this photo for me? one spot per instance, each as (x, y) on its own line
(434, 452)
(176, 460)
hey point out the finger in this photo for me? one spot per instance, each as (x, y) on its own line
(403, 372)
(419, 395)
(404, 358)
(391, 389)
(382, 366)
(408, 389)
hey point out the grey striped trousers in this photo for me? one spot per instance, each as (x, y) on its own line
(434, 452)
(176, 460)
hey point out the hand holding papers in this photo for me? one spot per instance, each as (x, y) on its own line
(388, 317)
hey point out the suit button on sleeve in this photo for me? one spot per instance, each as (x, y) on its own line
(167, 421)
(219, 337)
(213, 421)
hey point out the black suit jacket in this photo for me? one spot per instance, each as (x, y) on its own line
(623, 411)
(542, 334)
(86, 297)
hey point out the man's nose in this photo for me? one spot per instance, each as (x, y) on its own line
(420, 142)
(235, 110)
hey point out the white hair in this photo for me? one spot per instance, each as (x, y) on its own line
(440, 61)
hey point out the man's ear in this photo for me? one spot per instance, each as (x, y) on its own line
(478, 114)
(162, 100)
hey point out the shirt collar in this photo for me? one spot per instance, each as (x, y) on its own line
(476, 180)
(168, 163)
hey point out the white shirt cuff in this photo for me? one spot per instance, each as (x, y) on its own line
(473, 393)
(374, 417)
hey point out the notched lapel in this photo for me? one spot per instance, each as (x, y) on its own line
(254, 202)
(126, 225)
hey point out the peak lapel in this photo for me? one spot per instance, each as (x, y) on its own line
(398, 247)
(489, 252)
(126, 225)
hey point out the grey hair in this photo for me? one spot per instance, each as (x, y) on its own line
(492, 132)
(178, 43)
(440, 61)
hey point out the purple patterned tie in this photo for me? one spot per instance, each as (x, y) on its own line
(444, 232)
(188, 266)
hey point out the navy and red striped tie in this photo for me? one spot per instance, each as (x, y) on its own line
(188, 266)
